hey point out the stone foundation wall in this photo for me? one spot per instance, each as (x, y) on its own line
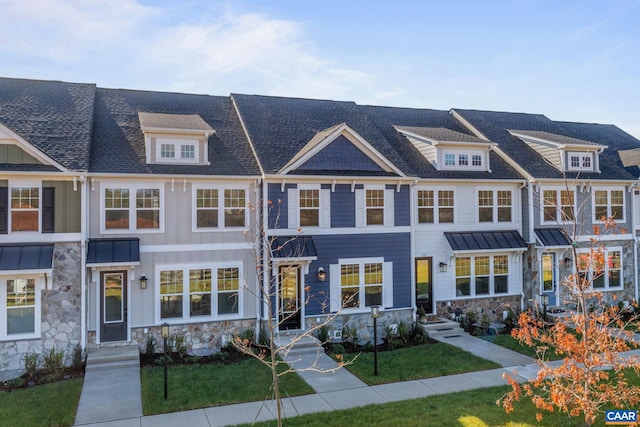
(494, 307)
(364, 323)
(60, 325)
(199, 336)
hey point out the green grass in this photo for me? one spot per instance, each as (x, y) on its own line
(463, 409)
(412, 363)
(52, 404)
(198, 386)
(507, 341)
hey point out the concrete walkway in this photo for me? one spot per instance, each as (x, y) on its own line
(334, 390)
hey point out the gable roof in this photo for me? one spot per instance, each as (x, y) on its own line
(118, 144)
(279, 128)
(150, 122)
(53, 117)
(495, 126)
(440, 134)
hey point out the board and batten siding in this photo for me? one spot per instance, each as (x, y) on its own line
(67, 201)
(15, 155)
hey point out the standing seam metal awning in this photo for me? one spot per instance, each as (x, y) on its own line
(550, 237)
(293, 247)
(26, 257)
(113, 251)
(485, 240)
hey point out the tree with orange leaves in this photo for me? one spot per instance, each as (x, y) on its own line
(593, 373)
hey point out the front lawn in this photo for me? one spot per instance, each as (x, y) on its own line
(192, 386)
(52, 404)
(507, 341)
(417, 362)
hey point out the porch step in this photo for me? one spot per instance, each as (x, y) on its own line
(303, 344)
(443, 327)
(113, 357)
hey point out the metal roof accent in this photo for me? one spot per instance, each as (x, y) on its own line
(26, 257)
(113, 251)
(486, 240)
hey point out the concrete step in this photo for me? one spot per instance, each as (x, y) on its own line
(443, 327)
(113, 357)
(302, 344)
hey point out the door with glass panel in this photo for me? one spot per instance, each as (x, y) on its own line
(549, 278)
(113, 307)
(289, 305)
(424, 288)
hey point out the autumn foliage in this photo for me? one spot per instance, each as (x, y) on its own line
(593, 374)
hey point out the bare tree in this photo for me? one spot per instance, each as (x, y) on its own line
(265, 246)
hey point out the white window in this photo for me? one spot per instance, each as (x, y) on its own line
(449, 159)
(308, 205)
(608, 204)
(580, 161)
(601, 269)
(374, 206)
(357, 284)
(19, 307)
(476, 160)
(199, 292)
(435, 206)
(25, 208)
(132, 208)
(176, 150)
(478, 276)
(464, 159)
(219, 208)
(494, 206)
(557, 205)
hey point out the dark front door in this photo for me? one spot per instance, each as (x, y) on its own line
(113, 307)
(424, 287)
(289, 307)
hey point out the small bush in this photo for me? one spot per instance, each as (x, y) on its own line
(323, 334)
(337, 348)
(367, 347)
(350, 334)
(31, 363)
(16, 383)
(79, 357)
(180, 346)
(150, 347)
(263, 337)
(419, 335)
(248, 335)
(403, 332)
(54, 361)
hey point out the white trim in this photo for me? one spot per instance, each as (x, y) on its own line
(24, 183)
(186, 318)
(335, 290)
(132, 206)
(221, 207)
(605, 267)
(494, 215)
(436, 206)
(196, 247)
(37, 307)
(31, 150)
(608, 190)
(582, 156)
(369, 229)
(558, 219)
(177, 144)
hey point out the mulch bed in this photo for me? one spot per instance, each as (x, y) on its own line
(42, 376)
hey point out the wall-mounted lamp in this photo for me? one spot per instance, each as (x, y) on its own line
(443, 267)
(143, 281)
(321, 275)
(567, 262)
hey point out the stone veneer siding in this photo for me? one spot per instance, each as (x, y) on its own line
(493, 306)
(364, 323)
(60, 305)
(199, 336)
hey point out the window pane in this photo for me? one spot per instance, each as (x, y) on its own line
(171, 285)
(167, 151)
(372, 295)
(21, 320)
(234, 204)
(449, 159)
(375, 207)
(227, 302)
(567, 202)
(171, 306)
(463, 286)
(375, 216)
(25, 202)
(500, 264)
(425, 215)
(199, 305)
(482, 266)
(372, 273)
(500, 285)
(485, 203)
(485, 214)
(445, 215)
(350, 284)
(148, 219)
(21, 293)
(24, 220)
(482, 285)
(116, 219)
(310, 208)
(476, 160)
(187, 151)
(147, 208)
(113, 293)
(425, 207)
(445, 203)
(207, 218)
(463, 160)
(228, 279)
(200, 292)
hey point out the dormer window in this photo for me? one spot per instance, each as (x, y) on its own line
(175, 138)
(580, 161)
(460, 159)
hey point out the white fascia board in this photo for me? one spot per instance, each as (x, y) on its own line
(33, 151)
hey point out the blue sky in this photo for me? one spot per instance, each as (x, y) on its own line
(569, 60)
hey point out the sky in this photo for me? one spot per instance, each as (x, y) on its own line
(569, 60)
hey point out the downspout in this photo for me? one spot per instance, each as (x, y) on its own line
(531, 239)
(83, 262)
(634, 208)
(261, 305)
(412, 244)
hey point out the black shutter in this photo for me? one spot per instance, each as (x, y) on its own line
(4, 210)
(48, 209)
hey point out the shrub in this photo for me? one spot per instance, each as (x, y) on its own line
(150, 347)
(16, 383)
(54, 361)
(403, 333)
(180, 346)
(337, 348)
(263, 337)
(350, 334)
(419, 335)
(79, 357)
(31, 363)
(323, 334)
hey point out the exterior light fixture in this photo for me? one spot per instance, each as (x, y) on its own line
(143, 281)
(443, 267)
(165, 334)
(375, 313)
(567, 262)
(321, 275)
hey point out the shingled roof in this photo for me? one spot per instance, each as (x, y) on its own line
(118, 141)
(495, 125)
(54, 117)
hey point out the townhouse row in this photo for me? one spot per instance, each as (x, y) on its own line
(121, 210)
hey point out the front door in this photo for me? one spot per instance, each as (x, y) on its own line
(549, 278)
(113, 307)
(289, 307)
(424, 288)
